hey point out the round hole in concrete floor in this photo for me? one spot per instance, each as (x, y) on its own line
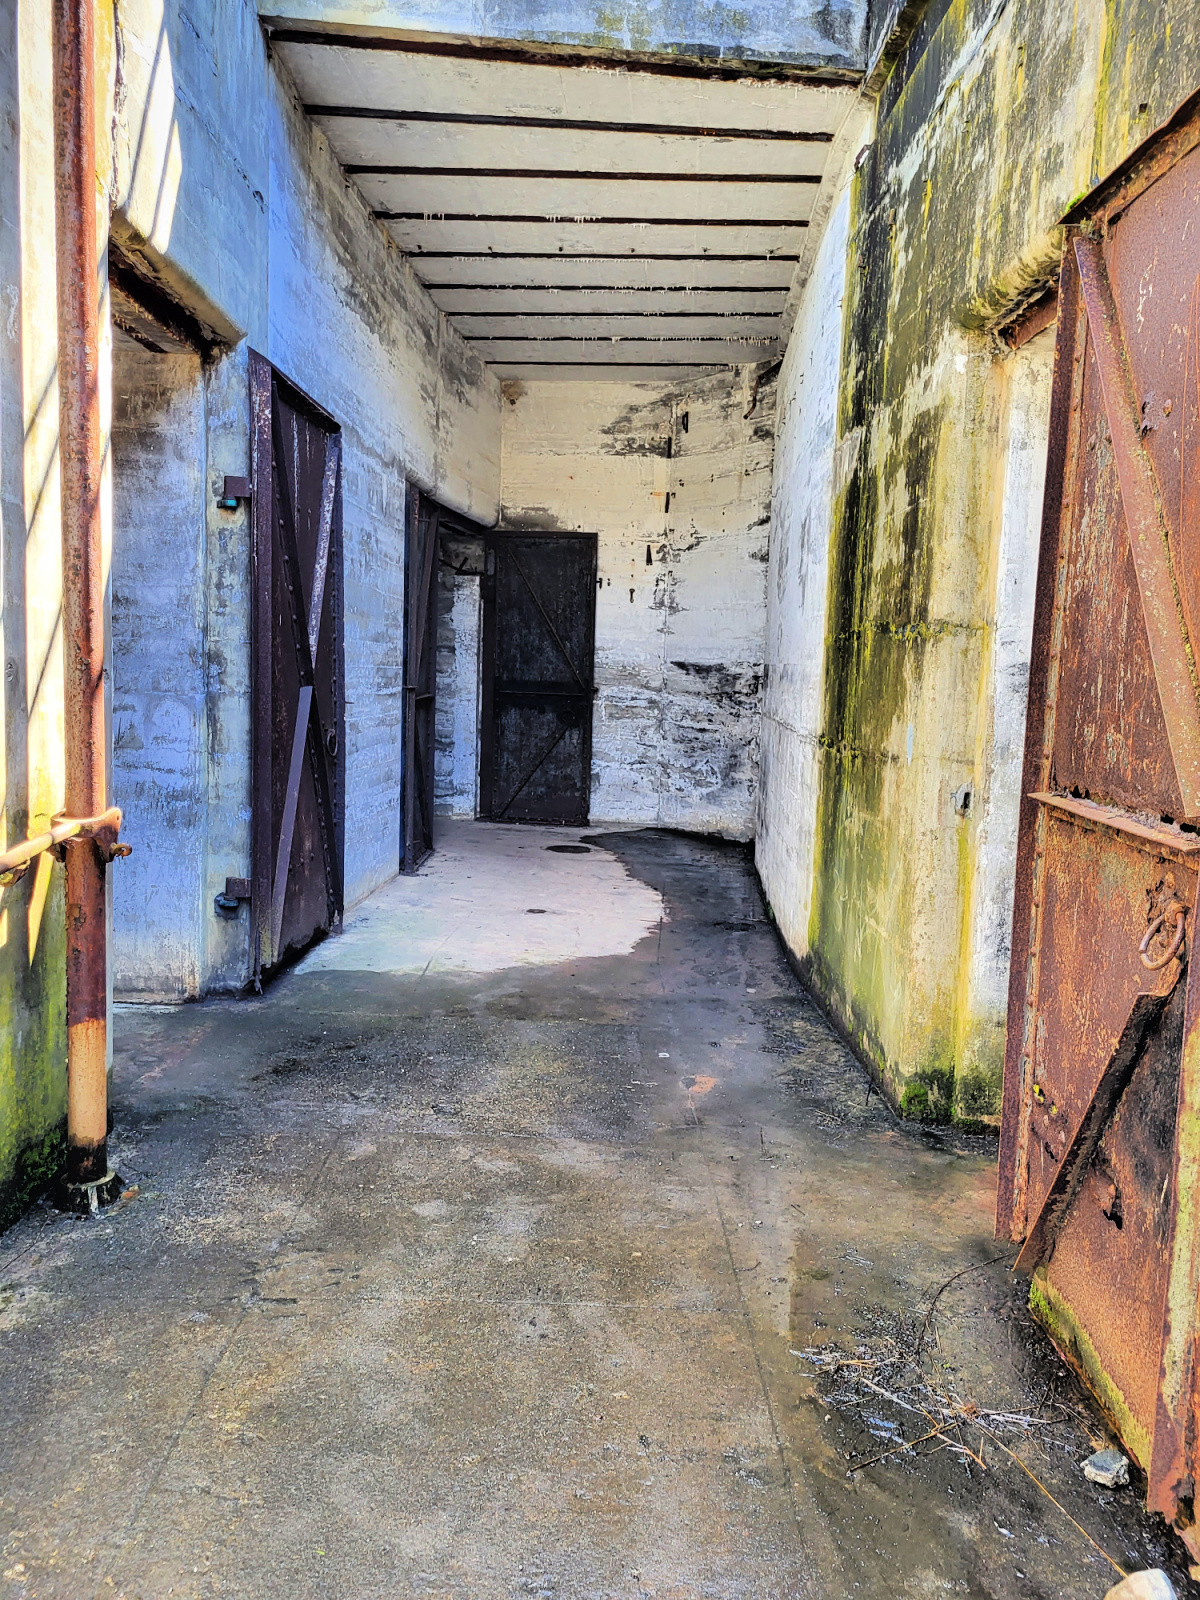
(570, 849)
(535, 911)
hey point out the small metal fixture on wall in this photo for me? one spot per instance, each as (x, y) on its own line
(233, 492)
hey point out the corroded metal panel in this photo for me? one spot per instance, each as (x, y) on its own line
(1095, 889)
(1110, 738)
(1100, 1165)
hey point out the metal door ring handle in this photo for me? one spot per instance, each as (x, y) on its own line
(1155, 966)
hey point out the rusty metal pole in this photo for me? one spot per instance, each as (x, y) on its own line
(87, 1176)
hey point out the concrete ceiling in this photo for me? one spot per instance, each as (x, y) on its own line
(640, 219)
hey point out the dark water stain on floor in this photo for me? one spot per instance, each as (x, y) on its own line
(573, 1280)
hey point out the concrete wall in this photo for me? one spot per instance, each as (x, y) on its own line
(159, 612)
(681, 606)
(994, 119)
(797, 588)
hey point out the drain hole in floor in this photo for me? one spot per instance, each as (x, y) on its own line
(570, 849)
(535, 911)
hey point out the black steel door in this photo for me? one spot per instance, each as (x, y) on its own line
(539, 620)
(420, 677)
(296, 820)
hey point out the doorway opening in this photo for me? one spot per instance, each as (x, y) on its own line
(442, 628)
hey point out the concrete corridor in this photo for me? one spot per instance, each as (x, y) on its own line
(473, 1260)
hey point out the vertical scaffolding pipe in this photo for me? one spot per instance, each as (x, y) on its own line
(80, 468)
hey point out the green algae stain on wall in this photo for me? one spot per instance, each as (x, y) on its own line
(33, 1046)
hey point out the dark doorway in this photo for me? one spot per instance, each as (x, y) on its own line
(539, 624)
(420, 677)
(298, 708)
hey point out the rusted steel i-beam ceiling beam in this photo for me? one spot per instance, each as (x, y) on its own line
(88, 1179)
(557, 255)
(639, 222)
(479, 119)
(363, 169)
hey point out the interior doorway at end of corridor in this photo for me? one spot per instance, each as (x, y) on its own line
(499, 656)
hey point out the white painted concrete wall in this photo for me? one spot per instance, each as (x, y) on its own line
(233, 199)
(681, 606)
(158, 686)
(456, 707)
(797, 587)
(995, 801)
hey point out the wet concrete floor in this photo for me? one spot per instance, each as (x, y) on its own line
(535, 1237)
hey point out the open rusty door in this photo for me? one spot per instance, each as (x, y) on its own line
(1100, 1150)
(420, 677)
(296, 818)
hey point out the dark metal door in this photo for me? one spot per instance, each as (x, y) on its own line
(539, 620)
(420, 678)
(297, 670)
(1100, 1151)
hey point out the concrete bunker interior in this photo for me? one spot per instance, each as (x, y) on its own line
(735, 360)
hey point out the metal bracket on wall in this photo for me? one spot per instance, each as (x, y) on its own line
(229, 901)
(233, 492)
(102, 830)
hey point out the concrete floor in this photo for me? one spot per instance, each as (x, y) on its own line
(473, 1259)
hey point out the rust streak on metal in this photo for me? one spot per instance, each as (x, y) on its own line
(1170, 1487)
(1157, 585)
(80, 467)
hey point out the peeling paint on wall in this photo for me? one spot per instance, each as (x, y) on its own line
(676, 483)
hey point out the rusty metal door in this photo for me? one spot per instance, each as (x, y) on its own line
(539, 620)
(1100, 1149)
(420, 677)
(296, 821)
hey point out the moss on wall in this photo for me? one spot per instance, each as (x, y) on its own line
(993, 121)
(33, 1043)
